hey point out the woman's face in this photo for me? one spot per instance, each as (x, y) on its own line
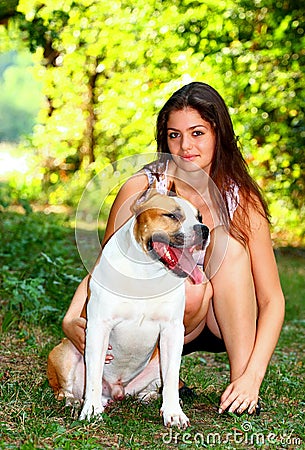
(192, 139)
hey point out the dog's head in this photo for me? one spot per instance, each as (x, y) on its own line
(170, 230)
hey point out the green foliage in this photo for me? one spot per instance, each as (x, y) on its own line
(107, 67)
(40, 269)
(292, 273)
(269, 67)
(7, 8)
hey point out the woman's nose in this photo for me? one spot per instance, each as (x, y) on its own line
(186, 143)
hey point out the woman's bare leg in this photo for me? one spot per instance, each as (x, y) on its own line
(198, 299)
(234, 302)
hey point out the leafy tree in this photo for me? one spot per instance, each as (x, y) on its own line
(7, 10)
(268, 63)
(107, 67)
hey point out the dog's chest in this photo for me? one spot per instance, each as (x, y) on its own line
(143, 312)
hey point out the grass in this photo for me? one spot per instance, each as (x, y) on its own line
(40, 269)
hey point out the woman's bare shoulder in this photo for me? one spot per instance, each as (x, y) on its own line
(121, 209)
(137, 183)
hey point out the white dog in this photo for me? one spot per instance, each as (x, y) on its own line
(136, 304)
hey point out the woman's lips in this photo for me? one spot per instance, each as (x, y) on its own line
(188, 157)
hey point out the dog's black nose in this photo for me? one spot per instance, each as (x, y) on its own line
(203, 229)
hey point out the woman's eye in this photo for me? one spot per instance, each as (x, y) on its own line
(173, 135)
(198, 133)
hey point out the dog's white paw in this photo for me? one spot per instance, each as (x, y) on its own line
(91, 410)
(174, 417)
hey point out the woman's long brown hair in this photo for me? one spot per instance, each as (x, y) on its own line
(228, 165)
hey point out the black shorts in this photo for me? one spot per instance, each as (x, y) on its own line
(205, 342)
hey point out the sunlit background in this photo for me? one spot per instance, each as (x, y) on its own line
(81, 84)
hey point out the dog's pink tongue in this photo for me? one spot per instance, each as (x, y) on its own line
(188, 265)
(182, 258)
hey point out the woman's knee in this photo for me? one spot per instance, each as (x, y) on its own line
(225, 250)
(197, 299)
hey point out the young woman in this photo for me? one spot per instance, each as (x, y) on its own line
(240, 309)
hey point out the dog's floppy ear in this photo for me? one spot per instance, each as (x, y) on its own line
(141, 199)
(137, 206)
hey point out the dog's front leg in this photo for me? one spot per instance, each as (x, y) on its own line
(171, 344)
(97, 338)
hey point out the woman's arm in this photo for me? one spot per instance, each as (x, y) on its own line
(270, 298)
(271, 309)
(73, 324)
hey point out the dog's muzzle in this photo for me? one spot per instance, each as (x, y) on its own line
(176, 251)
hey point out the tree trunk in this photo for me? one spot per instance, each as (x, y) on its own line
(88, 143)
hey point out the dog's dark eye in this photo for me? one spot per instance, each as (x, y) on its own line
(171, 216)
(199, 217)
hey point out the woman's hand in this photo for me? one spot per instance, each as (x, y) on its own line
(75, 330)
(241, 395)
